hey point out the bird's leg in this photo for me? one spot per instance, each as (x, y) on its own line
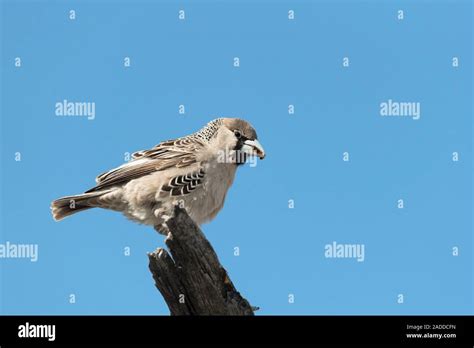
(162, 229)
(162, 215)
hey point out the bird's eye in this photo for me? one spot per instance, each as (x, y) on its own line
(237, 133)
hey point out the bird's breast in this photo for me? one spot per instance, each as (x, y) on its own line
(210, 200)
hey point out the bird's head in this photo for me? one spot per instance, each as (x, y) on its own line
(240, 137)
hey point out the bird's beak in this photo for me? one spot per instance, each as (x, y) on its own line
(253, 147)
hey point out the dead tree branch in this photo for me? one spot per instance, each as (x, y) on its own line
(191, 279)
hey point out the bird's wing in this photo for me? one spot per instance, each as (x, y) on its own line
(172, 153)
(184, 184)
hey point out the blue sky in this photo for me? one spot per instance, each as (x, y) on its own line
(337, 109)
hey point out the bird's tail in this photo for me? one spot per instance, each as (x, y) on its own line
(65, 206)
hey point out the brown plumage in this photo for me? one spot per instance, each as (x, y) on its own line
(191, 171)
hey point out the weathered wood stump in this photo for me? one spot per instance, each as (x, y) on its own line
(191, 279)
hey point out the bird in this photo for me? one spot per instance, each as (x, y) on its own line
(194, 172)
